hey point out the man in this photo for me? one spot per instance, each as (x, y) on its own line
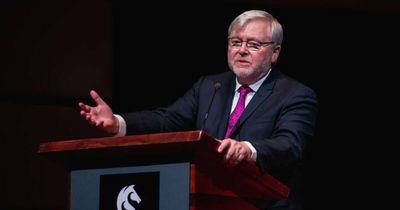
(258, 113)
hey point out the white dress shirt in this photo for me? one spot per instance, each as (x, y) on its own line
(254, 87)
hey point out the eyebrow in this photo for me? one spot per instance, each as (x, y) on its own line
(251, 39)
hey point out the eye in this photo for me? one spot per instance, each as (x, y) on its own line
(236, 42)
(254, 44)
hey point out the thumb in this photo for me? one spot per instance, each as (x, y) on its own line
(96, 98)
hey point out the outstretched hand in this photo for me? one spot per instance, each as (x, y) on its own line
(100, 115)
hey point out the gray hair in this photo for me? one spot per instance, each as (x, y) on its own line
(276, 27)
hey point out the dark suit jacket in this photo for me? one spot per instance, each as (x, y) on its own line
(277, 121)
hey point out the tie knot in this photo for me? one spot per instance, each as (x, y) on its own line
(244, 90)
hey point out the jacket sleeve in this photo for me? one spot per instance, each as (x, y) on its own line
(293, 125)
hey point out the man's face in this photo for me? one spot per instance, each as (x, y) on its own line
(249, 63)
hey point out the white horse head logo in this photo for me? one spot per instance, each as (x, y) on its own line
(127, 194)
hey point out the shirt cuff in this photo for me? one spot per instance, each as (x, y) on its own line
(122, 126)
(253, 151)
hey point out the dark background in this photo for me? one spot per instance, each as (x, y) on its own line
(54, 52)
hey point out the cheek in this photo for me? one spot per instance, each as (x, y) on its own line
(230, 57)
(264, 58)
(258, 59)
(230, 54)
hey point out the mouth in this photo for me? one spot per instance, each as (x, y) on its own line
(242, 63)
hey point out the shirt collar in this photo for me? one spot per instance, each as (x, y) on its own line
(255, 86)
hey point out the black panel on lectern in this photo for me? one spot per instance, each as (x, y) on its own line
(137, 190)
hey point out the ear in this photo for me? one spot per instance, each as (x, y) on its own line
(275, 54)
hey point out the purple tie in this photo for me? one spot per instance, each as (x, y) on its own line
(243, 91)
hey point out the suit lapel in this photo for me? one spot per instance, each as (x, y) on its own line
(225, 98)
(261, 95)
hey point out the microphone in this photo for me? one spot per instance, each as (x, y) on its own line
(217, 86)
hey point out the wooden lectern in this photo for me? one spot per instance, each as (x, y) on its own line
(188, 171)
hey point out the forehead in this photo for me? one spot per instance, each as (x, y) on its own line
(254, 27)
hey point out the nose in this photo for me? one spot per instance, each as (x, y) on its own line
(243, 48)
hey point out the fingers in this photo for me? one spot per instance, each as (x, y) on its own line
(88, 117)
(100, 116)
(223, 146)
(96, 97)
(86, 113)
(92, 119)
(234, 151)
(84, 107)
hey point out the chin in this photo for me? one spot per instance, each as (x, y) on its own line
(243, 72)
